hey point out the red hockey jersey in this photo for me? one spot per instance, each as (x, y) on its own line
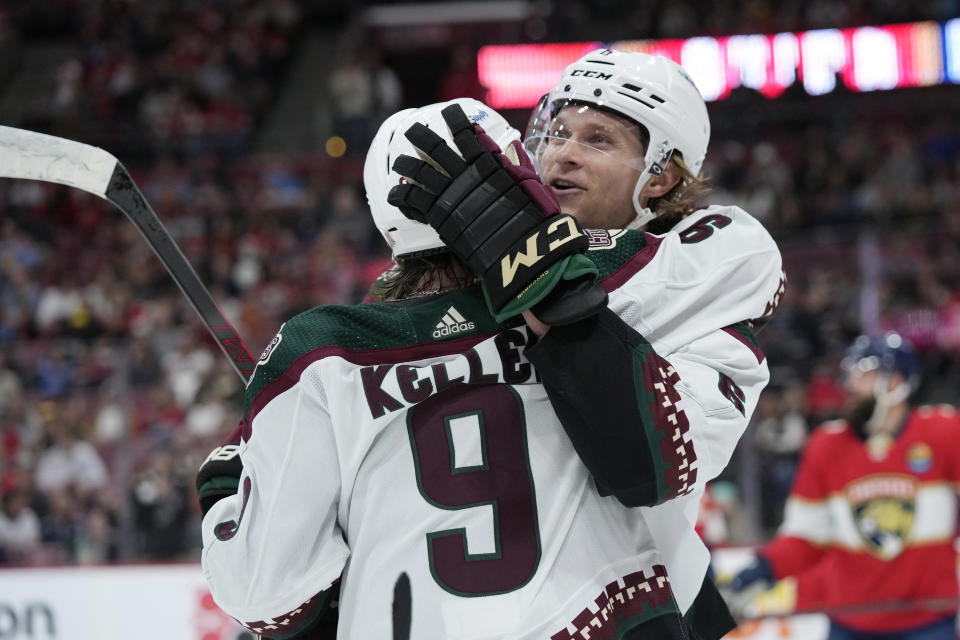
(859, 529)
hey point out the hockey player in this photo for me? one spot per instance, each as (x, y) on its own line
(729, 403)
(621, 140)
(871, 517)
(414, 436)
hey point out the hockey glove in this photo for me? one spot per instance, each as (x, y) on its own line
(501, 221)
(219, 475)
(740, 590)
(779, 600)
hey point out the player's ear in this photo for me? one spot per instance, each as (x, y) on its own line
(660, 185)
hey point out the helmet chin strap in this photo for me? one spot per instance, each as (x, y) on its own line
(644, 214)
(886, 398)
(655, 167)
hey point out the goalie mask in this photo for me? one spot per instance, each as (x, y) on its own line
(405, 236)
(648, 90)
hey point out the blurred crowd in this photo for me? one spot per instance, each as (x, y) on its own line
(160, 76)
(111, 392)
(622, 19)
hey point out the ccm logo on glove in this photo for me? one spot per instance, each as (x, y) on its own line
(538, 246)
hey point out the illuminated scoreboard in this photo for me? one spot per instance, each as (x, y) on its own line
(863, 58)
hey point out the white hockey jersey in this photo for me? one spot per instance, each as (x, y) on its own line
(414, 437)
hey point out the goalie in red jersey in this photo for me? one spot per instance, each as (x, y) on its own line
(869, 527)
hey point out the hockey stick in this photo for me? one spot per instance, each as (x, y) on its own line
(402, 605)
(936, 605)
(29, 155)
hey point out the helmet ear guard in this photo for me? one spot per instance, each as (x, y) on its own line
(652, 91)
(408, 237)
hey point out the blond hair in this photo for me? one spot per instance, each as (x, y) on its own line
(682, 200)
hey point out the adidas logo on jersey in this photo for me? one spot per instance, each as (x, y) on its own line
(452, 323)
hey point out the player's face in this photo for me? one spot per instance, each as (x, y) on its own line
(860, 403)
(590, 163)
(860, 384)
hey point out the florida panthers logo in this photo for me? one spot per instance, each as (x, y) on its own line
(884, 508)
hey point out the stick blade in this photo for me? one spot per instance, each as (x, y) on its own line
(402, 608)
(30, 155)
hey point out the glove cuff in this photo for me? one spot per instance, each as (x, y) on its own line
(573, 299)
(569, 268)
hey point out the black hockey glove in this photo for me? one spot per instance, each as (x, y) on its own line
(501, 221)
(219, 475)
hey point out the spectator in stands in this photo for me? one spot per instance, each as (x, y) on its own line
(54, 371)
(96, 541)
(351, 91)
(186, 367)
(68, 462)
(60, 524)
(19, 527)
(11, 386)
(162, 504)
(780, 432)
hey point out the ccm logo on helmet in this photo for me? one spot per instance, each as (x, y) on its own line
(591, 74)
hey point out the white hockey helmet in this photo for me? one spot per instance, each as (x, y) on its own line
(406, 236)
(650, 90)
